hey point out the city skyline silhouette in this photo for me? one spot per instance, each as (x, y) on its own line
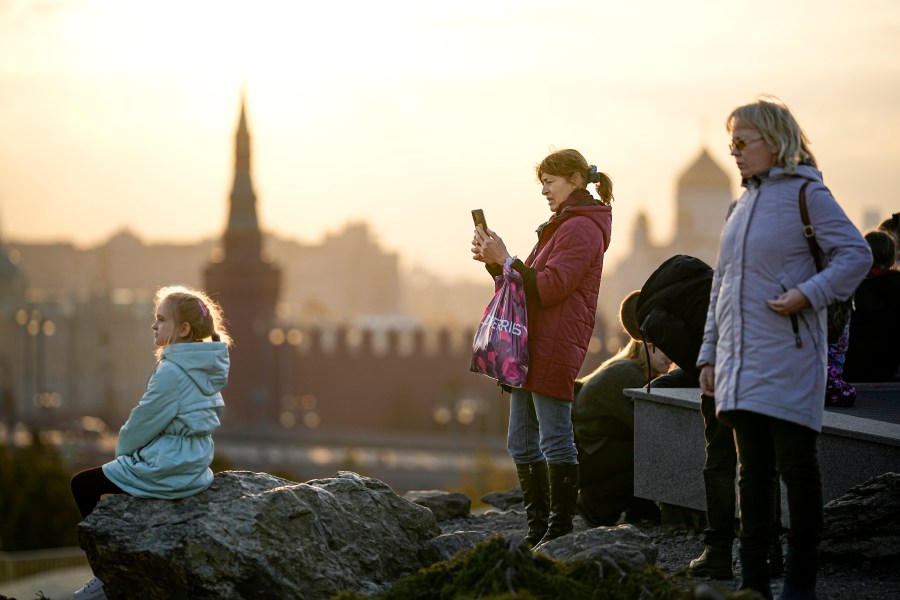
(119, 121)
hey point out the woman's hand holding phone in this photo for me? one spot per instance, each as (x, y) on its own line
(487, 246)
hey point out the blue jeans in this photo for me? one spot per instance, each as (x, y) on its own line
(540, 429)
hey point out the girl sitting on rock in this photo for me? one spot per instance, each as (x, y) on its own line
(165, 447)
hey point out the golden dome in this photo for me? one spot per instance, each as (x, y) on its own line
(704, 172)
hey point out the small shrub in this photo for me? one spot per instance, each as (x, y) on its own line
(37, 503)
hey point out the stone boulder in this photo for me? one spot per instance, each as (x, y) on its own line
(864, 524)
(253, 535)
(505, 500)
(444, 505)
(617, 547)
(620, 546)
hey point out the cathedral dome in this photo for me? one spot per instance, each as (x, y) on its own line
(704, 172)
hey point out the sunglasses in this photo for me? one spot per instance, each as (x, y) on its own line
(739, 144)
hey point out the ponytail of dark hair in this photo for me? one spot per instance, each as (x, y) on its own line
(604, 188)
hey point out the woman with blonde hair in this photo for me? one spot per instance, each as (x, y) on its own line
(764, 348)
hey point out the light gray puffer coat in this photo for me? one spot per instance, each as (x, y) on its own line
(762, 254)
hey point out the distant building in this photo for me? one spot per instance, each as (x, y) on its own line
(12, 301)
(327, 336)
(330, 317)
(348, 276)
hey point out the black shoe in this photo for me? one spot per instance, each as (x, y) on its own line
(714, 563)
(776, 561)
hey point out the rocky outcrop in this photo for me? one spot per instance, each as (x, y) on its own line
(619, 545)
(864, 524)
(444, 505)
(253, 535)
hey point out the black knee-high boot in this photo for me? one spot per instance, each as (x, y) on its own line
(755, 572)
(800, 566)
(563, 495)
(535, 482)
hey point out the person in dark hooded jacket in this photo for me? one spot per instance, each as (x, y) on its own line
(669, 312)
(874, 351)
(562, 279)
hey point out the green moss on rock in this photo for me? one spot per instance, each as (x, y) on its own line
(499, 570)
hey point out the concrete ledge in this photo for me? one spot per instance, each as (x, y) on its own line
(669, 447)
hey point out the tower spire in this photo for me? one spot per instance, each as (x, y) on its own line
(247, 287)
(242, 236)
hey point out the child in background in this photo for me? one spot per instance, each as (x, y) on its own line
(165, 447)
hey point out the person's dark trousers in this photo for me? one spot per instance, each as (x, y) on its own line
(718, 478)
(606, 479)
(87, 488)
(534, 479)
(718, 467)
(776, 556)
(800, 575)
(765, 444)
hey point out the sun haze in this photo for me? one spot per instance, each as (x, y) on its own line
(408, 115)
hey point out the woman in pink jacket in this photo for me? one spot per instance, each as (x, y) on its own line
(562, 279)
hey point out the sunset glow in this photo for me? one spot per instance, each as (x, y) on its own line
(408, 114)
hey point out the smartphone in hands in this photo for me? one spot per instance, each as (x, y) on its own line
(478, 218)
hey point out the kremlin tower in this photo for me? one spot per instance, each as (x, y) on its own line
(247, 287)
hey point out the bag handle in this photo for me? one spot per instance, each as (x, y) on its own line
(808, 231)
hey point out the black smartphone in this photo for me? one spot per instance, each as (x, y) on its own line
(478, 218)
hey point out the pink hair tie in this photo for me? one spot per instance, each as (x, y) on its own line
(203, 308)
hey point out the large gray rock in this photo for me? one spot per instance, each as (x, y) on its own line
(620, 545)
(615, 546)
(864, 523)
(253, 535)
(505, 500)
(444, 505)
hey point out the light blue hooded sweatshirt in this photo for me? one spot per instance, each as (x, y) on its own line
(165, 448)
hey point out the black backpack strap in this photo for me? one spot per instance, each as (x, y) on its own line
(808, 231)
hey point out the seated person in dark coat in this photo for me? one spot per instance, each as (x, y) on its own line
(874, 350)
(603, 418)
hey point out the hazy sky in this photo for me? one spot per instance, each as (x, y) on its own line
(407, 114)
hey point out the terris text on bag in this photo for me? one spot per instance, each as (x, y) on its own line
(493, 322)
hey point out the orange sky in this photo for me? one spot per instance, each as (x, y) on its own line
(408, 114)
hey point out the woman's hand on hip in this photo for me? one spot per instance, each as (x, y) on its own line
(708, 380)
(789, 303)
(488, 247)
